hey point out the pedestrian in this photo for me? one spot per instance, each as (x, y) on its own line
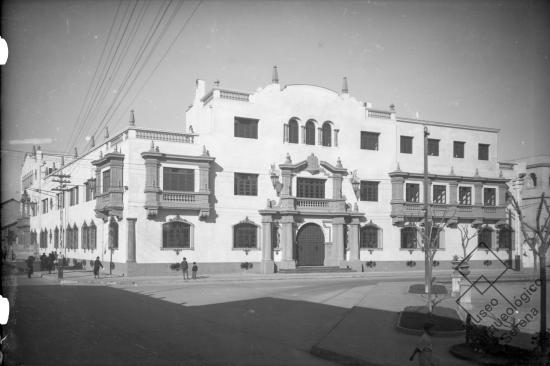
(97, 264)
(185, 268)
(30, 266)
(425, 348)
(194, 270)
(51, 262)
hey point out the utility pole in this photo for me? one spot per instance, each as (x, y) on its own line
(63, 180)
(427, 224)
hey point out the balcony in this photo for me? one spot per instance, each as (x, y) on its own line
(175, 200)
(410, 211)
(109, 203)
(313, 205)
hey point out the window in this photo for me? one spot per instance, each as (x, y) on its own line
(326, 138)
(246, 184)
(75, 237)
(369, 140)
(310, 133)
(406, 145)
(56, 237)
(106, 181)
(68, 237)
(310, 188)
(433, 147)
(465, 195)
(369, 191)
(458, 149)
(43, 238)
(408, 238)
(45, 205)
(293, 131)
(505, 238)
(176, 179)
(489, 196)
(483, 152)
(84, 236)
(73, 198)
(439, 193)
(412, 192)
(90, 190)
(245, 236)
(369, 236)
(113, 234)
(92, 234)
(176, 234)
(246, 127)
(485, 236)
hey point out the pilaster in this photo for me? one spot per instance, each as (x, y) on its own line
(131, 252)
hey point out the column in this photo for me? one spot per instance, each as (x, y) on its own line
(337, 186)
(131, 251)
(453, 192)
(478, 201)
(338, 241)
(267, 246)
(203, 177)
(287, 243)
(287, 182)
(502, 195)
(397, 189)
(353, 227)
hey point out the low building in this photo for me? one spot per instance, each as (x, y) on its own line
(281, 178)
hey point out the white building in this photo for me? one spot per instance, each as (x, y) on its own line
(284, 177)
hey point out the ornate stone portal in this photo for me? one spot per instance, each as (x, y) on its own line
(293, 212)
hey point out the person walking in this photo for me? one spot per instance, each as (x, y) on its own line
(425, 348)
(185, 268)
(97, 264)
(30, 266)
(194, 270)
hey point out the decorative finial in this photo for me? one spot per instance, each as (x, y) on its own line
(62, 160)
(100, 154)
(92, 141)
(345, 86)
(288, 159)
(392, 107)
(477, 173)
(275, 76)
(339, 163)
(500, 175)
(106, 132)
(75, 152)
(157, 149)
(398, 169)
(355, 207)
(217, 83)
(132, 119)
(54, 168)
(34, 150)
(152, 145)
(204, 151)
(191, 129)
(452, 170)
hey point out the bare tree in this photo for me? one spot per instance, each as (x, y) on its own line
(536, 233)
(466, 237)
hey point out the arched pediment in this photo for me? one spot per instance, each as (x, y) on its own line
(313, 165)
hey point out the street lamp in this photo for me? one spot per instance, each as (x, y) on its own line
(275, 180)
(355, 183)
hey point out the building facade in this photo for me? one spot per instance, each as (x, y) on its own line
(281, 178)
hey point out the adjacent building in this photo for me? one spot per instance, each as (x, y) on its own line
(284, 177)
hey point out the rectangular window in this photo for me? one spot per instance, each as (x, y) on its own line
(310, 188)
(483, 152)
(106, 181)
(369, 140)
(439, 194)
(433, 147)
(176, 179)
(45, 205)
(246, 127)
(412, 192)
(458, 149)
(73, 197)
(369, 191)
(406, 145)
(245, 236)
(246, 184)
(90, 190)
(408, 238)
(489, 196)
(465, 195)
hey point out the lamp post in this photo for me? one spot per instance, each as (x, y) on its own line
(427, 224)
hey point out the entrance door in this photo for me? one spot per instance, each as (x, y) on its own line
(311, 245)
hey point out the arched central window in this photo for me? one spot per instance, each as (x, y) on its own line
(327, 134)
(293, 131)
(176, 234)
(245, 236)
(310, 133)
(408, 238)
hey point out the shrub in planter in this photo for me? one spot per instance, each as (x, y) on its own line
(435, 263)
(411, 264)
(175, 266)
(246, 265)
(487, 262)
(371, 264)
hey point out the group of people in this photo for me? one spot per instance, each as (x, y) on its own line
(184, 266)
(48, 262)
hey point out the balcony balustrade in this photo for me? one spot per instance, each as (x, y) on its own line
(401, 211)
(318, 205)
(110, 203)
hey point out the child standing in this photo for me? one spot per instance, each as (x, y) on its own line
(194, 269)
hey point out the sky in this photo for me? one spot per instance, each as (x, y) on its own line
(482, 63)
